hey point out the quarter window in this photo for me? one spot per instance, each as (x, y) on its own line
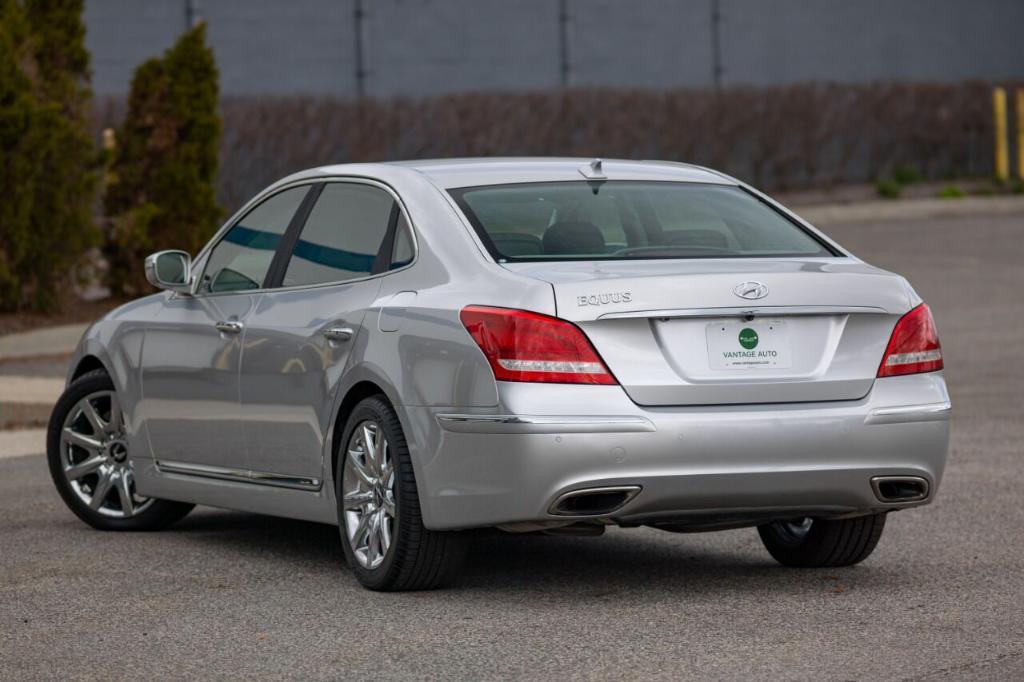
(241, 259)
(342, 236)
(401, 254)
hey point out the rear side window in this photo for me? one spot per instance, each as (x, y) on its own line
(629, 220)
(241, 259)
(342, 235)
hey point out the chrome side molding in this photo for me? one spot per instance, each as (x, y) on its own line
(518, 423)
(239, 475)
(931, 412)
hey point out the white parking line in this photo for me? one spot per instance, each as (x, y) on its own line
(22, 442)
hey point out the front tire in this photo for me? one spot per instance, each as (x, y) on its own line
(90, 464)
(382, 531)
(819, 543)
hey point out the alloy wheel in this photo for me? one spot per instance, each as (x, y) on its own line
(94, 457)
(368, 485)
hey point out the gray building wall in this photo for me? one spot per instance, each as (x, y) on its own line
(427, 47)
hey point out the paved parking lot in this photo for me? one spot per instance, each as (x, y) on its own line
(229, 595)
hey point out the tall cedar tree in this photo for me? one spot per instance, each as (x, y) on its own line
(17, 122)
(48, 174)
(161, 193)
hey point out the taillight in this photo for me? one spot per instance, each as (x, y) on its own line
(525, 346)
(914, 345)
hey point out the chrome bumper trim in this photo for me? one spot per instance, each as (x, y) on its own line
(239, 475)
(518, 423)
(739, 311)
(932, 412)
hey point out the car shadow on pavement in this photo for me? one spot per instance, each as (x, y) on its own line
(620, 562)
(644, 563)
(271, 537)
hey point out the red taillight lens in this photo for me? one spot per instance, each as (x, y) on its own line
(525, 346)
(914, 345)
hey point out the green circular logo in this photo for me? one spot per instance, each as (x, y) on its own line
(748, 338)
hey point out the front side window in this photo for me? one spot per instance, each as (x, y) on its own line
(342, 235)
(241, 259)
(630, 220)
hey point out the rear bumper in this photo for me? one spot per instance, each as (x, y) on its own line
(510, 464)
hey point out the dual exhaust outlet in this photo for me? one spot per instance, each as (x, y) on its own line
(593, 501)
(892, 489)
(608, 499)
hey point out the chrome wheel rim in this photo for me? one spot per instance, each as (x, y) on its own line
(368, 501)
(95, 458)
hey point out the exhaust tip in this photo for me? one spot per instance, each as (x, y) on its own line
(900, 488)
(593, 501)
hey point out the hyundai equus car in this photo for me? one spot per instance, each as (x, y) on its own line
(412, 350)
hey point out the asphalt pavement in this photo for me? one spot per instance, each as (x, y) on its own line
(227, 595)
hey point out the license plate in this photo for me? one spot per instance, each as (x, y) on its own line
(748, 345)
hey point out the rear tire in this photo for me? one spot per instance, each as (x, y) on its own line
(90, 463)
(382, 532)
(819, 543)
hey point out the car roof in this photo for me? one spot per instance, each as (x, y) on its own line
(470, 172)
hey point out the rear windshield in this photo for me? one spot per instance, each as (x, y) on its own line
(630, 220)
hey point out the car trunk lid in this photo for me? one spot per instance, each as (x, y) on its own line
(679, 333)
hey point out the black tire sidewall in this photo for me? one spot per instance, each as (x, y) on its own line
(790, 551)
(828, 543)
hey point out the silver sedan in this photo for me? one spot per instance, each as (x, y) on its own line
(411, 350)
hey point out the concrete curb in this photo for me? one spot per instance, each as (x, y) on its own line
(21, 443)
(34, 390)
(26, 402)
(24, 415)
(883, 210)
(39, 342)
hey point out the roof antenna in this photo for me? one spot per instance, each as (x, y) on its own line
(593, 170)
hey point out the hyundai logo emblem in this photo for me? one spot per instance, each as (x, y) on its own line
(750, 290)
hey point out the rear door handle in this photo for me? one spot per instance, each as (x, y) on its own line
(229, 326)
(338, 333)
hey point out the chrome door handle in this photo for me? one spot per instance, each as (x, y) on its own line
(229, 326)
(338, 333)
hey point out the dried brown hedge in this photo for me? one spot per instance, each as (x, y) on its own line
(777, 138)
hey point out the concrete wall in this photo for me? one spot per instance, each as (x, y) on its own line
(783, 41)
(426, 47)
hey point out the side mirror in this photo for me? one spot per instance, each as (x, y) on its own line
(170, 270)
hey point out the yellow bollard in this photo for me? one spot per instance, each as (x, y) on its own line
(1002, 143)
(1020, 133)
